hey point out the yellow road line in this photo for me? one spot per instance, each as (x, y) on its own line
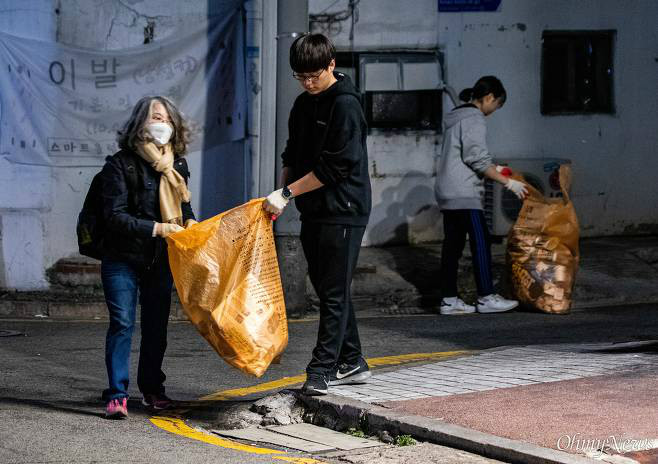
(413, 357)
(237, 392)
(298, 460)
(288, 381)
(177, 425)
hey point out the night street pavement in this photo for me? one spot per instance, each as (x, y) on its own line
(53, 374)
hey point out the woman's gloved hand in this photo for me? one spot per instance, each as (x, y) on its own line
(518, 188)
(190, 222)
(166, 229)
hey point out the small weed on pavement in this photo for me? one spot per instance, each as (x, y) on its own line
(358, 433)
(404, 440)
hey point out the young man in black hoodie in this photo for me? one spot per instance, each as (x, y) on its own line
(325, 167)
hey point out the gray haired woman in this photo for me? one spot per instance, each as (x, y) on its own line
(145, 198)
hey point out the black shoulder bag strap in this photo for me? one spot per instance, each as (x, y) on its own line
(130, 170)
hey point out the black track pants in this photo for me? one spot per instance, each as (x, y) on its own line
(332, 251)
(457, 223)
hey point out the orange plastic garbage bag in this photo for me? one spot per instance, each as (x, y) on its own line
(542, 250)
(227, 276)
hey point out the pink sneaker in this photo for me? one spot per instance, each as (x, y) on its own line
(156, 401)
(117, 409)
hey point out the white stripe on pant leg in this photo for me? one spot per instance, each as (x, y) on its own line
(485, 257)
(477, 241)
(486, 253)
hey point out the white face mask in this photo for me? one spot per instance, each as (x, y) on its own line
(160, 131)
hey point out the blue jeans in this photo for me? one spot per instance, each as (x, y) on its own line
(122, 282)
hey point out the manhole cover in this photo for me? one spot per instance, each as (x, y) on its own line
(10, 333)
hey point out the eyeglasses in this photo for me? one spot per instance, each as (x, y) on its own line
(307, 77)
(159, 118)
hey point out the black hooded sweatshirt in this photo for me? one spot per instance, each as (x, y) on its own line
(327, 135)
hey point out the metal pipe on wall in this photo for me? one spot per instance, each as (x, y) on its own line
(292, 20)
(267, 170)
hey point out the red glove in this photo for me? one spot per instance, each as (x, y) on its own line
(504, 170)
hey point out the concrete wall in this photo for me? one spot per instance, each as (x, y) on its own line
(25, 191)
(401, 162)
(613, 155)
(37, 227)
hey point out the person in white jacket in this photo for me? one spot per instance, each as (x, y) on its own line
(464, 163)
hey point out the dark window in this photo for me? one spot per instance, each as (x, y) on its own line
(419, 109)
(400, 90)
(577, 72)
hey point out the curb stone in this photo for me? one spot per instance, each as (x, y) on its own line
(69, 310)
(347, 412)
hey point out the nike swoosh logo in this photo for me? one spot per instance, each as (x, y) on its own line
(342, 376)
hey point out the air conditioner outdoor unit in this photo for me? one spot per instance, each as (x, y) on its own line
(501, 207)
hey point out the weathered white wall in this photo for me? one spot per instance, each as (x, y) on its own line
(25, 191)
(383, 23)
(401, 162)
(104, 25)
(614, 156)
(37, 227)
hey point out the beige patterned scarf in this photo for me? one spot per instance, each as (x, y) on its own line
(173, 190)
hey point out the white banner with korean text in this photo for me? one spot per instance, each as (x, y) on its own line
(63, 106)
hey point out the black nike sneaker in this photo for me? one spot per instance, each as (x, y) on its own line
(350, 374)
(315, 385)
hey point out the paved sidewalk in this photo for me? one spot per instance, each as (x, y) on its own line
(575, 399)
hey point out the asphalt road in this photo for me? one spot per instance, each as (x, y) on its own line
(51, 377)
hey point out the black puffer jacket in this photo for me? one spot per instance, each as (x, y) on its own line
(131, 206)
(327, 135)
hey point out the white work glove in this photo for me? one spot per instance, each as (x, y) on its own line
(190, 222)
(166, 229)
(518, 188)
(275, 203)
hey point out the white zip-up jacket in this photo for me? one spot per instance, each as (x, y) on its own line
(464, 158)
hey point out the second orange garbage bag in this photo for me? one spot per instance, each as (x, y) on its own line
(542, 250)
(227, 277)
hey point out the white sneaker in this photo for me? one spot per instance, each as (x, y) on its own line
(455, 305)
(495, 303)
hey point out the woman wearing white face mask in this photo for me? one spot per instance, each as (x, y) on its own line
(145, 198)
